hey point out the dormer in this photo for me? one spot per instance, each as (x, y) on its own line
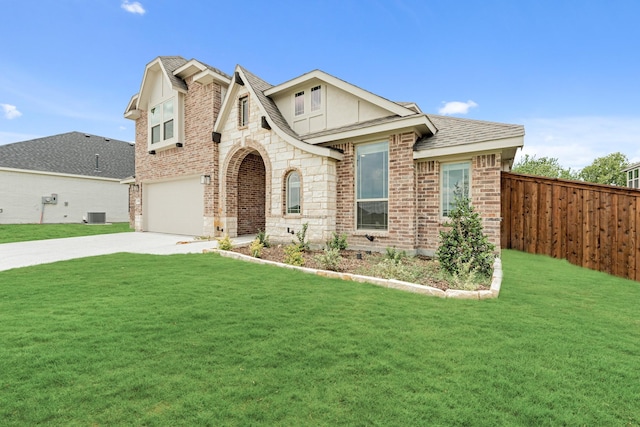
(317, 102)
(162, 97)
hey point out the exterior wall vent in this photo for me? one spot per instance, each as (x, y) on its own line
(96, 217)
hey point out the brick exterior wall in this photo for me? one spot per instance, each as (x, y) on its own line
(198, 156)
(401, 232)
(251, 195)
(485, 197)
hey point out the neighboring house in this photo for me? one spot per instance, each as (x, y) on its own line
(219, 153)
(61, 178)
(633, 175)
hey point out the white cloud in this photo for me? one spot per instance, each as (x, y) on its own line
(577, 141)
(456, 107)
(134, 7)
(10, 111)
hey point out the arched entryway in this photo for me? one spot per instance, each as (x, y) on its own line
(246, 192)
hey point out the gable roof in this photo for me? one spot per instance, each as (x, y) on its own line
(256, 87)
(71, 153)
(392, 107)
(175, 69)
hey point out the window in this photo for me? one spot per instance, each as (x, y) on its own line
(455, 178)
(161, 121)
(372, 186)
(633, 178)
(316, 98)
(243, 111)
(293, 193)
(299, 103)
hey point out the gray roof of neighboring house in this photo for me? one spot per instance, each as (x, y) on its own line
(71, 153)
(454, 131)
(633, 166)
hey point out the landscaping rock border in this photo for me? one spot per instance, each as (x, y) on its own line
(493, 292)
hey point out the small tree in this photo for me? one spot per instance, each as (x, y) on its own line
(607, 170)
(464, 249)
(543, 166)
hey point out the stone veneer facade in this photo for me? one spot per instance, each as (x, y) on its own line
(248, 169)
(318, 177)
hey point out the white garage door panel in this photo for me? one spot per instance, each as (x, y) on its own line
(175, 207)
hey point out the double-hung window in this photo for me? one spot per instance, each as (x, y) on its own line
(162, 119)
(372, 186)
(633, 178)
(243, 111)
(455, 181)
(316, 98)
(299, 103)
(293, 193)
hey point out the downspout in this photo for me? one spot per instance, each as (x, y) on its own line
(42, 211)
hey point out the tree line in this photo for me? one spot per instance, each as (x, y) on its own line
(604, 170)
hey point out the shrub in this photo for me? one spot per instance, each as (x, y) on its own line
(225, 243)
(293, 255)
(301, 236)
(464, 249)
(337, 241)
(256, 248)
(395, 255)
(329, 259)
(467, 279)
(390, 269)
(263, 237)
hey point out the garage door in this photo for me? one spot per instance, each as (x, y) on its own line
(175, 207)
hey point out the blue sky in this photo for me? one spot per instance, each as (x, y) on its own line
(567, 70)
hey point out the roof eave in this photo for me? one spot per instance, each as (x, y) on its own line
(420, 124)
(470, 148)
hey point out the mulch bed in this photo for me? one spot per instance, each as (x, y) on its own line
(350, 263)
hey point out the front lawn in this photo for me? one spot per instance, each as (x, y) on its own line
(204, 340)
(25, 232)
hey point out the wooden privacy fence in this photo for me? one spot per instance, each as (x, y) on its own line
(595, 226)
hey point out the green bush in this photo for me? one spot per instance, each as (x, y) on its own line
(329, 259)
(301, 237)
(225, 243)
(337, 241)
(256, 248)
(395, 255)
(390, 269)
(293, 255)
(263, 237)
(464, 248)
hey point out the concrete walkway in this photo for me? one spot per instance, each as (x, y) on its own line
(23, 254)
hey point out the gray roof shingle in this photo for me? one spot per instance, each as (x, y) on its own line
(454, 131)
(71, 153)
(170, 64)
(270, 107)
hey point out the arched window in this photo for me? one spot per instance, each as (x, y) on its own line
(293, 193)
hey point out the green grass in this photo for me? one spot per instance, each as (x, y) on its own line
(204, 340)
(10, 233)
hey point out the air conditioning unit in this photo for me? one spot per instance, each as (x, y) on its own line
(96, 217)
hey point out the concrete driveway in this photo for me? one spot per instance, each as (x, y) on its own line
(23, 254)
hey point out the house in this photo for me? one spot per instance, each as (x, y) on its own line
(62, 178)
(219, 153)
(633, 175)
